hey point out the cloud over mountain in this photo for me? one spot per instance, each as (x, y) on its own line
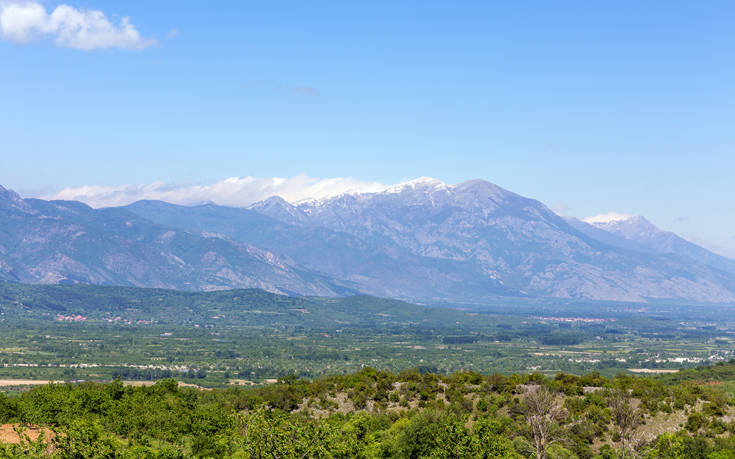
(69, 27)
(234, 191)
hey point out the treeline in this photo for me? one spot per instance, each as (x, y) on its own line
(377, 414)
(155, 374)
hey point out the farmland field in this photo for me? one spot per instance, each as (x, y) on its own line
(226, 338)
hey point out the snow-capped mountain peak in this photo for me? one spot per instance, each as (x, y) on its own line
(469, 241)
(635, 232)
(633, 227)
(610, 217)
(419, 183)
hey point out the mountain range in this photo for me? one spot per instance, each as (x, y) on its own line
(422, 240)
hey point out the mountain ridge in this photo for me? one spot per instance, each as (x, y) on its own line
(69, 242)
(423, 239)
(638, 233)
(507, 235)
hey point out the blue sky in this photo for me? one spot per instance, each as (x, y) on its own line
(589, 107)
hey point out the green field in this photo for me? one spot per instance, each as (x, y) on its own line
(279, 376)
(250, 336)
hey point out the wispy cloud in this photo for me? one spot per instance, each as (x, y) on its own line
(236, 191)
(69, 27)
(306, 91)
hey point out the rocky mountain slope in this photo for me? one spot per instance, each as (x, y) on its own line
(516, 243)
(373, 264)
(69, 242)
(422, 240)
(637, 233)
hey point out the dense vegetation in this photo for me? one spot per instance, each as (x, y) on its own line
(380, 414)
(214, 339)
(294, 377)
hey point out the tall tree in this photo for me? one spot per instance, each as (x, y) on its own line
(542, 413)
(625, 416)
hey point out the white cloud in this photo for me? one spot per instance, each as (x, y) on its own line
(236, 191)
(23, 21)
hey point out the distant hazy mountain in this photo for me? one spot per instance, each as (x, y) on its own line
(422, 240)
(69, 242)
(516, 243)
(372, 264)
(636, 233)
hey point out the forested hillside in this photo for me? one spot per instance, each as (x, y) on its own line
(374, 414)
